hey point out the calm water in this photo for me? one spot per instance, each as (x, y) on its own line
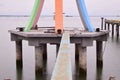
(7, 53)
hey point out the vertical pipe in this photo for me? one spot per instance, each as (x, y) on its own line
(102, 23)
(39, 58)
(99, 53)
(83, 58)
(76, 52)
(112, 30)
(58, 16)
(19, 53)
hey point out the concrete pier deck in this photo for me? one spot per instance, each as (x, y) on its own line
(40, 37)
(47, 35)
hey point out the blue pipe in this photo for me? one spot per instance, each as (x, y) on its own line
(84, 16)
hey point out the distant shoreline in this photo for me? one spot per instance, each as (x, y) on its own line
(64, 16)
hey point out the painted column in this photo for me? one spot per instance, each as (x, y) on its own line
(58, 16)
(99, 53)
(19, 53)
(39, 58)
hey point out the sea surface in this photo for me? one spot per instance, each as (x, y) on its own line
(8, 70)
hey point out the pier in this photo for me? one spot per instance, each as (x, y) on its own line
(111, 25)
(42, 36)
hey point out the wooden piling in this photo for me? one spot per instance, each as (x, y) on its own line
(99, 53)
(39, 58)
(19, 53)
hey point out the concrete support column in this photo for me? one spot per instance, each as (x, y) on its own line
(117, 30)
(112, 30)
(76, 52)
(19, 53)
(57, 48)
(45, 51)
(83, 58)
(39, 58)
(102, 23)
(99, 53)
(105, 26)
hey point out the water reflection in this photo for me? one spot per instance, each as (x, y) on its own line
(42, 75)
(80, 74)
(19, 72)
(99, 72)
(115, 39)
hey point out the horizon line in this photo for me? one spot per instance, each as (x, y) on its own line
(22, 15)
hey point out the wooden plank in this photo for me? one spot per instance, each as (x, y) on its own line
(62, 69)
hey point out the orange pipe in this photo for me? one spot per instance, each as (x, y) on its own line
(58, 16)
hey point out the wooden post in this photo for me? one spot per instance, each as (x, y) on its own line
(102, 23)
(99, 72)
(82, 58)
(117, 30)
(76, 52)
(99, 53)
(19, 53)
(39, 58)
(112, 30)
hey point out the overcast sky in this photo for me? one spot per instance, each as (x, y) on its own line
(94, 7)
